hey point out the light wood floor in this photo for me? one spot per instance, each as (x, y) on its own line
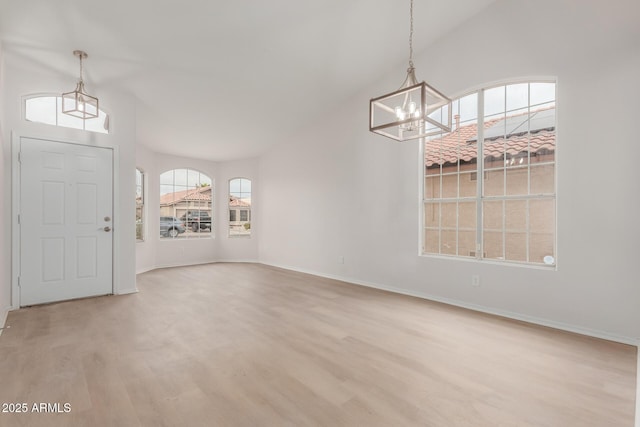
(250, 345)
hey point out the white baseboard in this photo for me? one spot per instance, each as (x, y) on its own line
(475, 307)
(3, 318)
(239, 260)
(245, 261)
(171, 265)
(638, 391)
(145, 269)
(127, 291)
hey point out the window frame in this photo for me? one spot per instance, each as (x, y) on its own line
(239, 210)
(480, 251)
(141, 205)
(188, 234)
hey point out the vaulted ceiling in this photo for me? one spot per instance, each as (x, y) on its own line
(225, 79)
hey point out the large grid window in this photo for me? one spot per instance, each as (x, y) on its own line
(140, 222)
(47, 109)
(186, 204)
(239, 207)
(509, 213)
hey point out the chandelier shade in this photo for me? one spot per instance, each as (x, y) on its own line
(416, 110)
(79, 103)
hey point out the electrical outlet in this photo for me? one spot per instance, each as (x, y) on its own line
(475, 280)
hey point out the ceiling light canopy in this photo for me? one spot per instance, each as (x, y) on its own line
(416, 110)
(79, 103)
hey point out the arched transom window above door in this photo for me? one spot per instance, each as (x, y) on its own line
(47, 109)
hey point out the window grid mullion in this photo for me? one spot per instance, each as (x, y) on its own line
(528, 228)
(441, 187)
(523, 197)
(480, 181)
(504, 229)
(458, 199)
(527, 203)
(457, 228)
(440, 228)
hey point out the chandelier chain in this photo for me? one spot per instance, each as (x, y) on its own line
(81, 69)
(411, 35)
(405, 114)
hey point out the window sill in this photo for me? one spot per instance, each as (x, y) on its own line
(517, 264)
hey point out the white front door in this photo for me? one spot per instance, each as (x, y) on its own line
(66, 211)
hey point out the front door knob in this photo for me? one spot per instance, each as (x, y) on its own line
(107, 228)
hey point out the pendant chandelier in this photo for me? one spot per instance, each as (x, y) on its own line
(416, 110)
(79, 103)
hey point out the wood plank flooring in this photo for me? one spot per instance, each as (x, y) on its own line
(251, 345)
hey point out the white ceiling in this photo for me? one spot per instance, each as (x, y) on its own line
(223, 80)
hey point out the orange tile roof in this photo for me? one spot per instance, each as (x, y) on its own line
(235, 202)
(462, 144)
(196, 194)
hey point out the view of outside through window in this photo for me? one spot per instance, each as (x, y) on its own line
(48, 110)
(502, 208)
(240, 207)
(186, 204)
(139, 205)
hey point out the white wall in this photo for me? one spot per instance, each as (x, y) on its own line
(327, 194)
(5, 211)
(22, 77)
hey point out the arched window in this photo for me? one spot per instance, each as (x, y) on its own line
(186, 204)
(239, 207)
(140, 201)
(47, 109)
(503, 207)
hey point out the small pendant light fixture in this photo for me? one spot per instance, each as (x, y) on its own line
(78, 103)
(416, 110)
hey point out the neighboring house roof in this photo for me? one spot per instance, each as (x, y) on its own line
(462, 142)
(196, 194)
(235, 202)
